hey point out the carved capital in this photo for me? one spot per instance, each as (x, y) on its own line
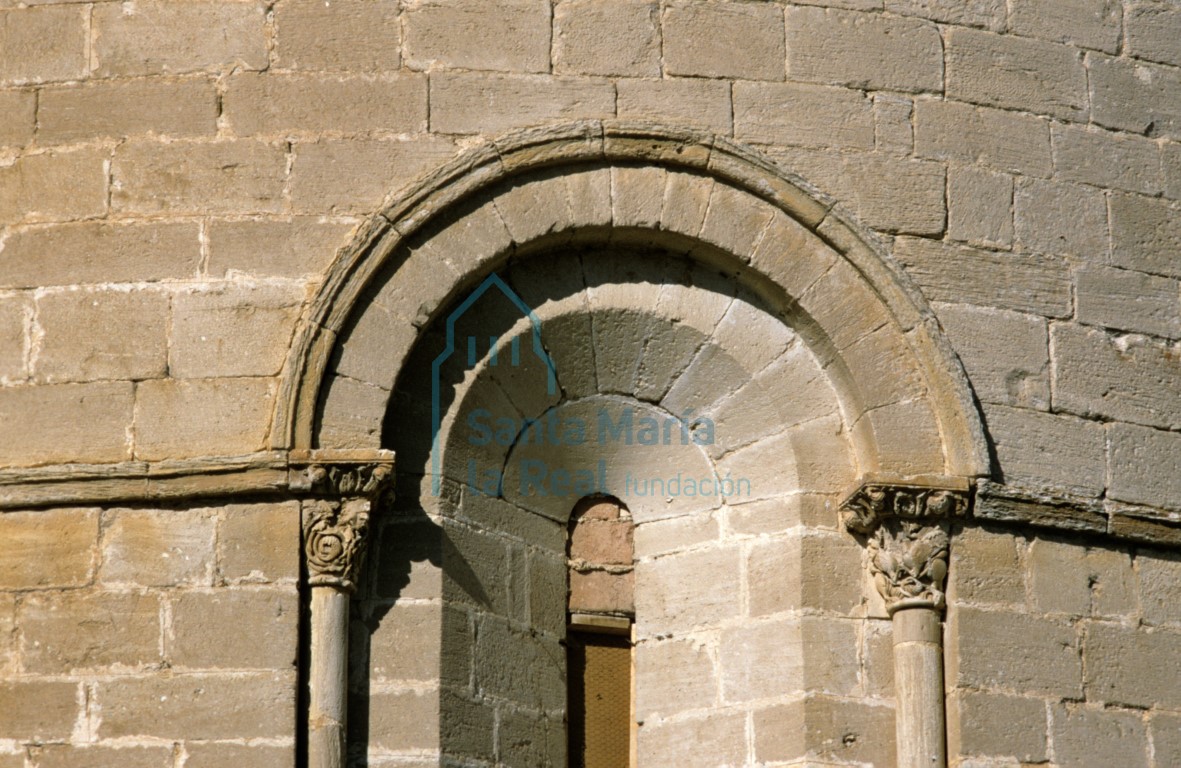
(908, 561)
(334, 539)
(344, 487)
(906, 530)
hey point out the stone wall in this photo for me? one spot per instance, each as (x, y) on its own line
(177, 177)
(143, 636)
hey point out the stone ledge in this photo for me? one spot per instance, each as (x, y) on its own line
(269, 473)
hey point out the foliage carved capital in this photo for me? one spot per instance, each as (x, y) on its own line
(342, 490)
(906, 531)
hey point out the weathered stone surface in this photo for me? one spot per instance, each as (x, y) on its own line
(1024, 283)
(1152, 30)
(355, 176)
(1107, 159)
(269, 104)
(1149, 663)
(1126, 379)
(220, 177)
(719, 739)
(1128, 301)
(97, 756)
(979, 206)
(1048, 449)
(16, 311)
(52, 719)
(1006, 354)
(1009, 72)
(471, 103)
(287, 247)
(54, 548)
(1145, 466)
(991, 725)
(1136, 97)
(121, 109)
(406, 646)
(1084, 23)
(862, 50)
(508, 35)
(892, 115)
(1171, 163)
(39, 433)
(1159, 578)
(807, 115)
(157, 37)
(1145, 234)
(898, 195)
(699, 39)
(346, 35)
(158, 548)
(1165, 729)
(841, 729)
(194, 417)
(1002, 650)
(669, 599)
(17, 117)
(819, 572)
(990, 14)
(756, 663)
(984, 568)
(617, 37)
(232, 330)
(54, 186)
(524, 668)
(1067, 219)
(72, 631)
(43, 44)
(673, 676)
(245, 706)
(1006, 141)
(94, 252)
(1065, 578)
(690, 101)
(259, 542)
(212, 755)
(233, 629)
(102, 334)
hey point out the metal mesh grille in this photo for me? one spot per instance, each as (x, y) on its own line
(600, 701)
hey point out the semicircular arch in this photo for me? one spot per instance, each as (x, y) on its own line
(608, 184)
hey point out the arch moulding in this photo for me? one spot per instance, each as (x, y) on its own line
(786, 221)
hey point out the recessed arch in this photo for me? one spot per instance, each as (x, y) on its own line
(600, 183)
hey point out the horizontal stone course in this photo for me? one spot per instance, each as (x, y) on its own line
(36, 432)
(1152, 31)
(861, 50)
(700, 38)
(1061, 218)
(472, 103)
(1009, 72)
(607, 37)
(1083, 23)
(17, 116)
(216, 177)
(43, 43)
(1005, 141)
(157, 37)
(356, 35)
(50, 549)
(1130, 380)
(802, 115)
(508, 35)
(99, 252)
(120, 109)
(1024, 283)
(1135, 97)
(272, 104)
(1128, 301)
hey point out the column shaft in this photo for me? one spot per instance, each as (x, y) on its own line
(918, 688)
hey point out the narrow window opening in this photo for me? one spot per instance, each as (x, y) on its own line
(600, 614)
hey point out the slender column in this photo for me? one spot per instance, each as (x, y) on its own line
(906, 532)
(335, 530)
